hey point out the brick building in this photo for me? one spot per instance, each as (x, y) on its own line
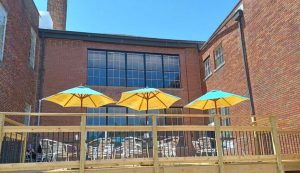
(271, 35)
(265, 67)
(77, 50)
(18, 55)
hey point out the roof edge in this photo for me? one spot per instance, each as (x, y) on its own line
(224, 22)
(119, 39)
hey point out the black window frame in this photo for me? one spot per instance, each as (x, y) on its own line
(207, 60)
(126, 72)
(217, 56)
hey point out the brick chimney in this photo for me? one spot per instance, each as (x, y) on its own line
(58, 12)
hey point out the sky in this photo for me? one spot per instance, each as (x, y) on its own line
(170, 19)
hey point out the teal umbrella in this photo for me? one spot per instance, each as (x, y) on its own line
(216, 99)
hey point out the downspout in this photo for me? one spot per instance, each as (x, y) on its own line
(239, 17)
(41, 74)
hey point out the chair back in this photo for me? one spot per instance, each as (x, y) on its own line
(196, 145)
(205, 142)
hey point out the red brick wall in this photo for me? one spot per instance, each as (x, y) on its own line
(17, 79)
(66, 67)
(58, 12)
(272, 37)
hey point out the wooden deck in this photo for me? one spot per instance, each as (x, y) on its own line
(248, 148)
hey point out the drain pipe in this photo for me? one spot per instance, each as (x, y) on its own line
(239, 17)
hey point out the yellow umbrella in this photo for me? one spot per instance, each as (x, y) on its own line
(80, 96)
(216, 99)
(147, 99)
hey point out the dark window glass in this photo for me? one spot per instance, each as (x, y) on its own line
(96, 121)
(135, 70)
(116, 120)
(136, 120)
(154, 72)
(207, 67)
(171, 72)
(116, 69)
(96, 68)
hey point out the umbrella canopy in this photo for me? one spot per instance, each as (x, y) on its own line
(216, 99)
(147, 99)
(80, 96)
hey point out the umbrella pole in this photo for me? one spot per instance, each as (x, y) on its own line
(82, 138)
(147, 101)
(216, 108)
(218, 139)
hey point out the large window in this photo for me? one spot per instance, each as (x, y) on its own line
(109, 68)
(3, 19)
(207, 67)
(130, 120)
(32, 49)
(219, 57)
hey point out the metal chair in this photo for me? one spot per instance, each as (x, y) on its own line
(204, 145)
(132, 147)
(51, 150)
(167, 147)
(101, 148)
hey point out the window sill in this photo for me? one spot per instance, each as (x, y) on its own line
(207, 76)
(220, 66)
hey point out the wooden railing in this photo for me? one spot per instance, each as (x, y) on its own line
(156, 144)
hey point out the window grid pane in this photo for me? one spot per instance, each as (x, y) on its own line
(171, 71)
(219, 59)
(96, 68)
(207, 67)
(116, 69)
(154, 71)
(135, 70)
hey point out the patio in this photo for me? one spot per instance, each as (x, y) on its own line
(155, 147)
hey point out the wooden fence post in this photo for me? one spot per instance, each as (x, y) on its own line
(82, 142)
(2, 120)
(155, 144)
(219, 143)
(256, 138)
(24, 147)
(276, 144)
